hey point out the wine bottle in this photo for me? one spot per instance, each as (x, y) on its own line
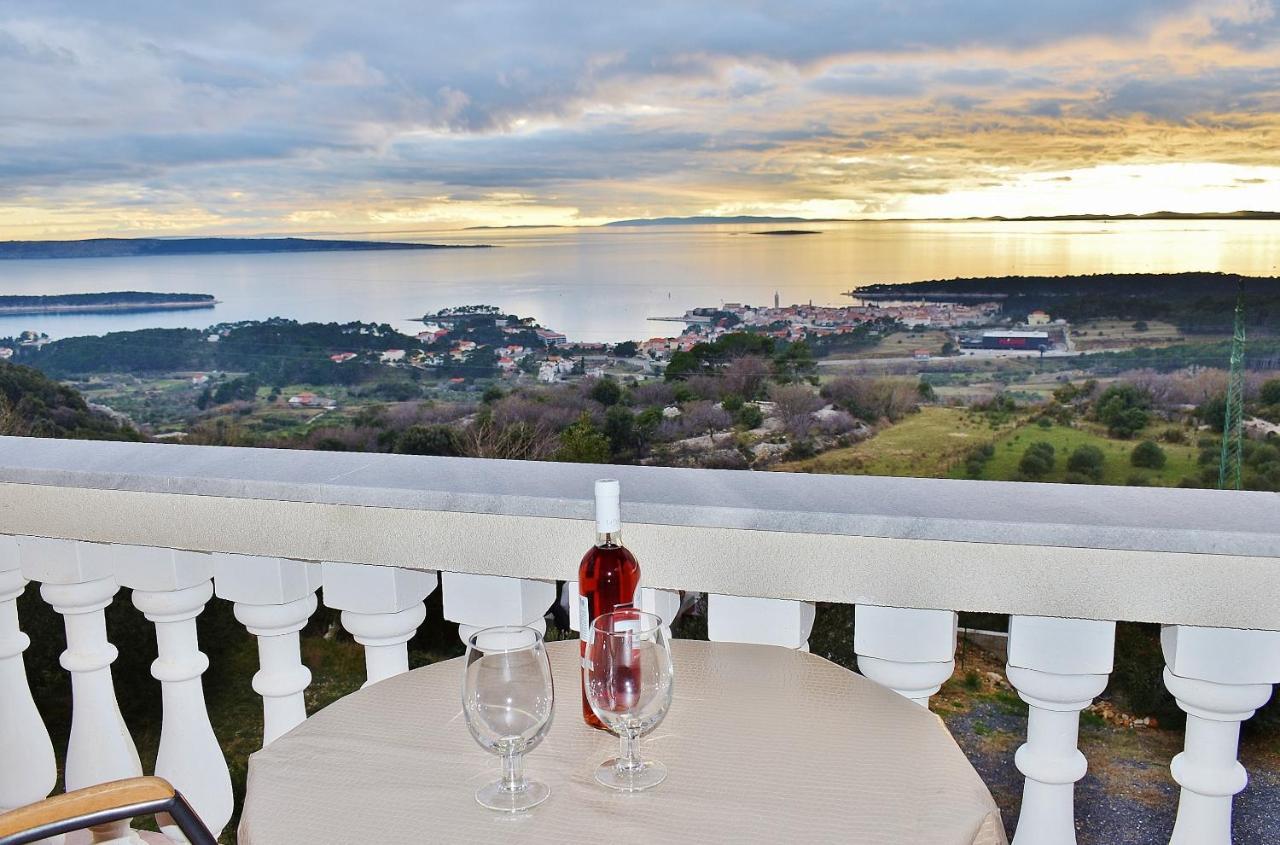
(608, 577)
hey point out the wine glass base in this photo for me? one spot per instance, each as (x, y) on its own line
(650, 774)
(494, 797)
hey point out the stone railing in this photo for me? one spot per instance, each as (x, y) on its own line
(375, 534)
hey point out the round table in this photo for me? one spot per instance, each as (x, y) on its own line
(763, 744)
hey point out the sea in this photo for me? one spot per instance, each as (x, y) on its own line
(607, 284)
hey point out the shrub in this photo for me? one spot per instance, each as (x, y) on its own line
(1078, 478)
(1148, 455)
(606, 391)
(1087, 460)
(1174, 435)
(1044, 422)
(1037, 461)
(1269, 394)
(750, 416)
(731, 402)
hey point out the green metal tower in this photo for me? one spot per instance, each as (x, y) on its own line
(1233, 425)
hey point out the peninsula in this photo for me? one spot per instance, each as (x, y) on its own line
(122, 247)
(89, 303)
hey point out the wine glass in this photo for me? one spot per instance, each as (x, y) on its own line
(507, 696)
(629, 685)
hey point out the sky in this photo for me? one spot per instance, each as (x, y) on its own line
(134, 117)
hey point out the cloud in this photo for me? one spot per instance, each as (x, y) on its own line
(286, 114)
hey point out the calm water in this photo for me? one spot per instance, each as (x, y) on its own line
(603, 284)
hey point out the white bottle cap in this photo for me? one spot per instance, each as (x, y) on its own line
(608, 506)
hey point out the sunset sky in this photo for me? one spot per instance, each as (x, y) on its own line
(139, 117)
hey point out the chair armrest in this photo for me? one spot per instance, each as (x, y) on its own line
(117, 799)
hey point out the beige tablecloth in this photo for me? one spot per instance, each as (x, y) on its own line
(763, 744)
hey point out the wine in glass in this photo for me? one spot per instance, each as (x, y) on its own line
(507, 696)
(629, 685)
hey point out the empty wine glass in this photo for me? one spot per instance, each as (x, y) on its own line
(629, 685)
(507, 695)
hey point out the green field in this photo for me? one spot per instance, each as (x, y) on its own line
(935, 442)
(1182, 460)
(924, 445)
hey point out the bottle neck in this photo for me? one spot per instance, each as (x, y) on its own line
(609, 538)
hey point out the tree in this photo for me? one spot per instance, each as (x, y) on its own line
(606, 391)
(794, 363)
(428, 440)
(1148, 455)
(795, 404)
(1122, 408)
(745, 375)
(582, 443)
(626, 349)
(704, 417)
(1214, 412)
(681, 365)
(620, 429)
(1038, 460)
(1088, 461)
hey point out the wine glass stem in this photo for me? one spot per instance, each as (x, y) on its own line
(513, 772)
(629, 755)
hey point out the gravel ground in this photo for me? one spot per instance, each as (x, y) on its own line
(1128, 796)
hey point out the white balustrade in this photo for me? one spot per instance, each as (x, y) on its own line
(746, 619)
(171, 588)
(483, 601)
(1214, 564)
(274, 597)
(912, 652)
(23, 735)
(382, 607)
(1219, 676)
(78, 580)
(664, 604)
(1058, 667)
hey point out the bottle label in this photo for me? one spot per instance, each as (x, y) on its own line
(584, 620)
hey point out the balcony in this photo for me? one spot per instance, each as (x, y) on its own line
(275, 532)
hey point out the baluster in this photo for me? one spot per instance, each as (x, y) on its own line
(745, 619)
(274, 597)
(912, 652)
(382, 607)
(482, 601)
(23, 735)
(1219, 676)
(78, 580)
(1058, 667)
(171, 588)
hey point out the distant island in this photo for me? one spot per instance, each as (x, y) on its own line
(87, 303)
(710, 220)
(1197, 302)
(789, 232)
(122, 247)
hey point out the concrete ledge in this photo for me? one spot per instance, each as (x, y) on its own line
(1187, 556)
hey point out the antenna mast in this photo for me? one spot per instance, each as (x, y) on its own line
(1229, 473)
